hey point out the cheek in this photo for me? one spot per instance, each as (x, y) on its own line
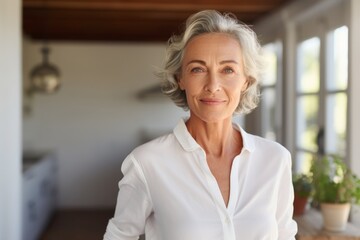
(237, 97)
(237, 86)
(237, 89)
(191, 86)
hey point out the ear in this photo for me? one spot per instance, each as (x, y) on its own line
(246, 84)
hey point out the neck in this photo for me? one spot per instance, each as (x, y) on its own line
(216, 138)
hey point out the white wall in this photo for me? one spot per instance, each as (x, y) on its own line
(95, 119)
(10, 120)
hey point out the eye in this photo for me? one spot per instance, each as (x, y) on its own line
(197, 70)
(228, 70)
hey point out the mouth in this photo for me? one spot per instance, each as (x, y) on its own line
(212, 101)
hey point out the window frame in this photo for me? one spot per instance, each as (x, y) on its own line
(321, 25)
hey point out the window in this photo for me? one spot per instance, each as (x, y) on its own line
(270, 92)
(308, 86)
(321, 96)
(336, 94)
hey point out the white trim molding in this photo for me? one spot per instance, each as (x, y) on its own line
(10, 120)
(354, 86)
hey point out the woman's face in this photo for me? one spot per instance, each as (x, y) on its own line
(213, 76)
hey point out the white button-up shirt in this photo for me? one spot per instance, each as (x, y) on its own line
(168, 192)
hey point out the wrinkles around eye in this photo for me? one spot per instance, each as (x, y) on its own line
(197, 70)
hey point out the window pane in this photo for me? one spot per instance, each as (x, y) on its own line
(270, 79)
(308, 66)
(270, 56)
(338, 59)
(303, 162)
(336, 123)
(268, 113)
(307, 122)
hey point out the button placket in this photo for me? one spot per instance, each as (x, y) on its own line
(224, 213)
(228, 227)
(211, 181)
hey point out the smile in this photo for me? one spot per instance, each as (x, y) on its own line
(212, 101)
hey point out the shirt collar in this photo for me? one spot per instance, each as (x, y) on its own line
(189, 144)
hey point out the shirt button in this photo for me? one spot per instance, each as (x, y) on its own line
(227, 220)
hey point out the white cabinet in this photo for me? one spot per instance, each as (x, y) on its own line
(39, 194)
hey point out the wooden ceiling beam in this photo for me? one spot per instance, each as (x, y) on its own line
(124, 20)
(240, 6)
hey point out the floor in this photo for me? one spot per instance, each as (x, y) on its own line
(78, 225)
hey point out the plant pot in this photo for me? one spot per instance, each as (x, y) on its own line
(335, 216)
(299, 204)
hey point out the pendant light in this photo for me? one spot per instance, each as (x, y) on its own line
(45, 77)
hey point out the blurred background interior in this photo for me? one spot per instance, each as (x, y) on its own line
(78, 93)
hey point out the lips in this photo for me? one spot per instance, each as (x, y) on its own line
(212, 101)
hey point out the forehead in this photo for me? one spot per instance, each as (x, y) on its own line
(219, 45)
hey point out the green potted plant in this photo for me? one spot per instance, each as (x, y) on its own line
(302, 184)
(335, 189)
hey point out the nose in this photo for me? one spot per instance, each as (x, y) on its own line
(212, 83)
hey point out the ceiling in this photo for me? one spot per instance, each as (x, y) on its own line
(127, 20)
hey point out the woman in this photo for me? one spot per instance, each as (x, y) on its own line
(209, 179)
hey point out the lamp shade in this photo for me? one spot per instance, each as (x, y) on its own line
(45, 77)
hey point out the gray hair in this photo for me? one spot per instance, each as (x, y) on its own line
(211, 21)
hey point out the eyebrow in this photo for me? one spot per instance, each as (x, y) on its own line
(203, 62)
(229, 61)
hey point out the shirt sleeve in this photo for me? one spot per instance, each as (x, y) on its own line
(287, 227)
(133, 205)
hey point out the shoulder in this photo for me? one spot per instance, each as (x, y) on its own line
(269, 145)
(150, 152)
(156, 144)
(269, 149)
(156, 157)
(156, 148)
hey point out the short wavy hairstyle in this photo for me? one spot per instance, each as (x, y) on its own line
(211, 21)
